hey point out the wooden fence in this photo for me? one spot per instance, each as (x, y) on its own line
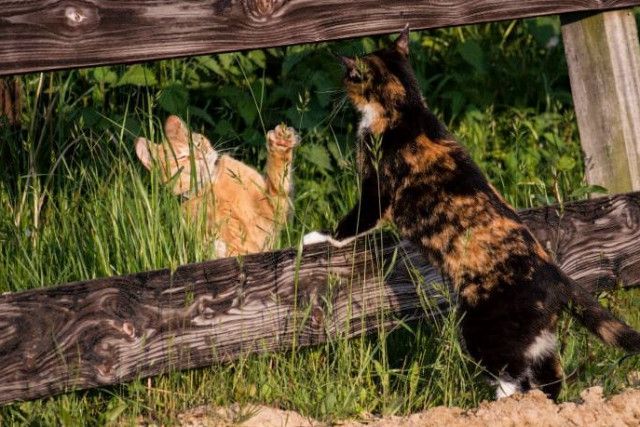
(106, 331)
(38, 35)
(111, 330)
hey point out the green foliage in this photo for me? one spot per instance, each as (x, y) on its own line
(138, 75)
(75, 204)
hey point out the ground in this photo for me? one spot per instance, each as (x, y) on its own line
(532, 409)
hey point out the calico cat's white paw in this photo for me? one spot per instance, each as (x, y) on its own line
(317, 237)
(506, 388)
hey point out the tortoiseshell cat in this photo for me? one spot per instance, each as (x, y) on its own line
(244, 210)
(511, 292)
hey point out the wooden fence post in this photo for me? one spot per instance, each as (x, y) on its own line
(603, 56)
(10, 100)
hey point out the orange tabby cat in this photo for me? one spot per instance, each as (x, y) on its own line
(243, 210)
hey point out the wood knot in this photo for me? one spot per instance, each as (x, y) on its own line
(79, 17)
(74, 16)
(317, 317)
(631, 217)
(261, 10)
(105, 371)
(129, 329)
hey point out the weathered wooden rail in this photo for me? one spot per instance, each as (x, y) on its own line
(112, 330)
(41, 35)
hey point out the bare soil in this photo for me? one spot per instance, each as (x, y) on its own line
(532, 409)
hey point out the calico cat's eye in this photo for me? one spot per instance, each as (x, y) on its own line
(355, 76)
(357, 69)
(359, 72)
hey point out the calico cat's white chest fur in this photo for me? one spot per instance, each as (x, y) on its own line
(369, 115)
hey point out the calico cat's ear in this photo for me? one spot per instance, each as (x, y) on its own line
(354, 68)
(402, 42)
(349, 63)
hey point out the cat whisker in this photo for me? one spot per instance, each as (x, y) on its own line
(331, 91)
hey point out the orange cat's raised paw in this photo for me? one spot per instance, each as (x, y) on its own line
(282, 138)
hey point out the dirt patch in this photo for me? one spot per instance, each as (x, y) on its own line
(532, 409)
(246, 416)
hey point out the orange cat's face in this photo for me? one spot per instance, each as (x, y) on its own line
(184, 159)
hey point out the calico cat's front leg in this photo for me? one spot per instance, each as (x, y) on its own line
(372, 205)
(366, 213)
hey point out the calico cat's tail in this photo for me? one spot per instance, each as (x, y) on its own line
(600, 321)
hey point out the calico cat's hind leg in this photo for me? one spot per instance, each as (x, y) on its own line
(544, 369)
(547, 375)
(514, 378)
(538, 368)
(509, 383)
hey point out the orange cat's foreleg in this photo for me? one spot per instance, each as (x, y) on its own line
(280, 144)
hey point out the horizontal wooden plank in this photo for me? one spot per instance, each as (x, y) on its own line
(39, 35)
(596, 242)
(107, 331)
(102, 332)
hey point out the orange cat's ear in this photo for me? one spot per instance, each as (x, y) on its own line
(192, 156)
(143, 151)
(402, 42)
(177, 134)
(184, 159)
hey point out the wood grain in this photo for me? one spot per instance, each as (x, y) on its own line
(107, 331)
(603, 55)
(596, 242)
(42, 35)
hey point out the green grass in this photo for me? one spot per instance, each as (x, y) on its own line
(75, 204)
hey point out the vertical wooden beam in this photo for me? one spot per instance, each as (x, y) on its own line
(603, 56)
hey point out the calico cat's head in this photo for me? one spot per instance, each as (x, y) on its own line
(381, 83)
